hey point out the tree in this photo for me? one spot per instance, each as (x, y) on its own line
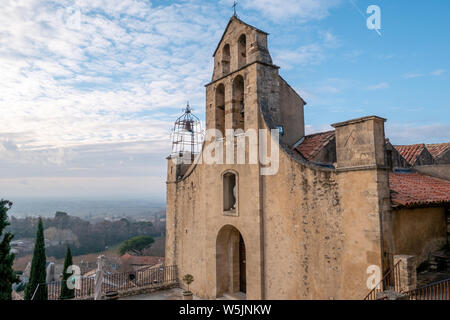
(136, 244)
(7, 275)
(188, 279)
(38, 271)
(67, 293)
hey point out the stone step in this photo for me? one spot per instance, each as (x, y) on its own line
(234, 296)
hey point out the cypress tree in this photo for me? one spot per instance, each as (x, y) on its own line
(67, 293)
(38, 272)
(7, 276)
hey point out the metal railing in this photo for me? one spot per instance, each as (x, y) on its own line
(390, 281)
(120, 282)
(85, 289)
(142, 278)
(435, 291)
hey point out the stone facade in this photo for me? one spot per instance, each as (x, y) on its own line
(441, 171)
(306, 232)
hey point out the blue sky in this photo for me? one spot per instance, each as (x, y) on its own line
(89, 89)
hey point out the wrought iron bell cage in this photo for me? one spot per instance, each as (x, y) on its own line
(187, 134)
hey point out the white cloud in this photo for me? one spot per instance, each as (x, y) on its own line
(379, 86)
(100, 83)
(89, 96)
(309, 129)
(412, 133)
(300, 10)
(438, 72)
(413, 75)
(434, 73)
(329, 39)
(309, 54)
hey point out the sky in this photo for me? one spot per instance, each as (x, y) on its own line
(90, 89)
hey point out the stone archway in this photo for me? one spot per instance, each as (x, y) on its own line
(231, 269)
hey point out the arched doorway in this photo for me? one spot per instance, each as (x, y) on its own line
(231, 268)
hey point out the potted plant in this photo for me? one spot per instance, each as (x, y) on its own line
(187, 294)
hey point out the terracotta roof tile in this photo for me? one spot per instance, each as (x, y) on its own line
(437, 150)
(314, 143)
(411, 152)
(414, 189)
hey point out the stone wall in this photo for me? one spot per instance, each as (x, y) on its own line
(303, 236)
(424, 158)
(441, 171)
(394, 158)
(292, 114)
(444, 159)
(419, 231)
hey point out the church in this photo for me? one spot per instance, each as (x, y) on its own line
(341, 210)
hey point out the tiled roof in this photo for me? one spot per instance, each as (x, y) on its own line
(414, 189)
(437, 150)
(411, 152)
(314, 143)
(141, 260)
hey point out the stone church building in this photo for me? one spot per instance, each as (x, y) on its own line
(342, 203)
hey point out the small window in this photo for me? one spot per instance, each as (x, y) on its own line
(230, 192)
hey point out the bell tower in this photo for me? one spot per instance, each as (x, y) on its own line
(187, 138)
(245, 81)
(232, 94)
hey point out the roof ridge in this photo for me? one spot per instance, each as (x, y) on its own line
(317, 133)
(437, 144)
(437, 149)
(409, 145)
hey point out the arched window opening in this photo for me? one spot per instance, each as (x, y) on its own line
(242, 51)
(226, 57)
(220, 108)
(238, 103)
(229, 192)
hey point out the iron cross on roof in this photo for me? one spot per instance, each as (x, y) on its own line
(234, 7)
